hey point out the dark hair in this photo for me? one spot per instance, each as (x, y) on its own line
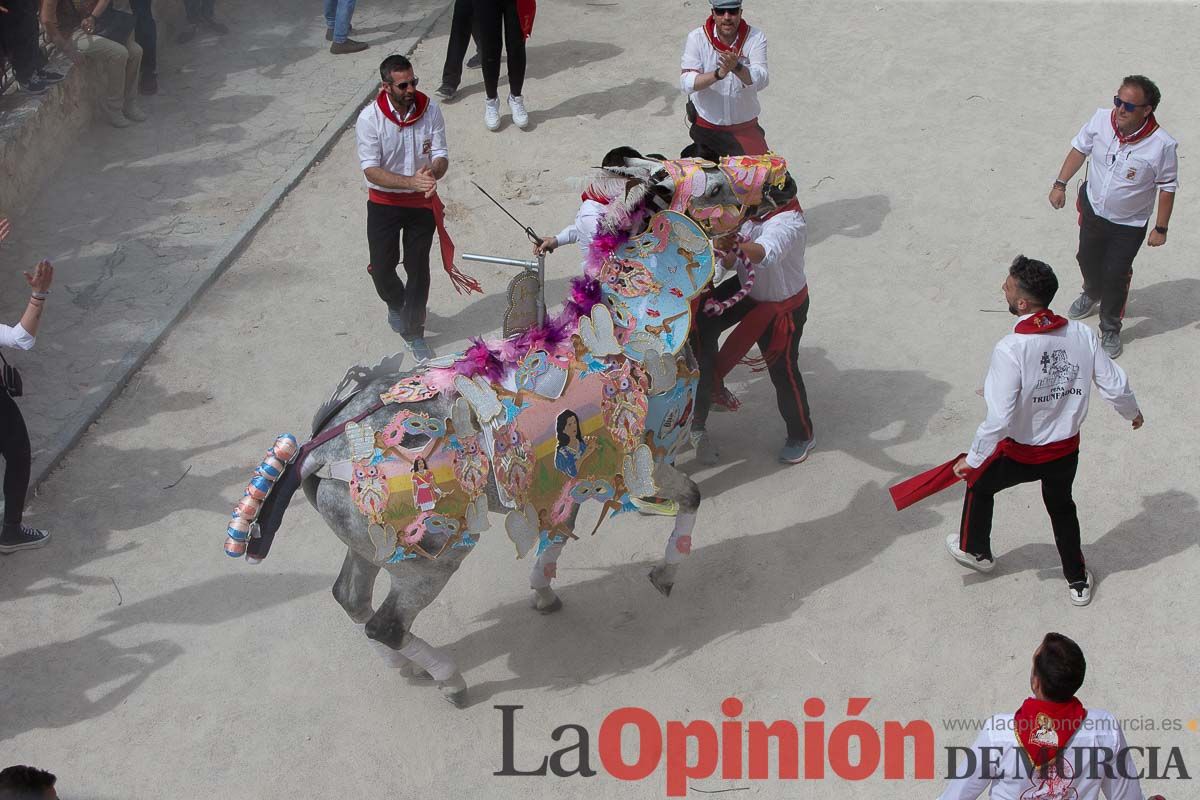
(1060, 667)
(616, 157)
(1035, 279)
(560, 425)
(422, 460)
(697, 150)
(1149, 90)
(21, 782)
(393, 63)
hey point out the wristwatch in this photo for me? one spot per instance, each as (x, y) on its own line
(1161, 229)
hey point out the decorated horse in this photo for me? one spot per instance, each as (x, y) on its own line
(585, 410)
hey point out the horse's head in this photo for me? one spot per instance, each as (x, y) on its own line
(716, 195)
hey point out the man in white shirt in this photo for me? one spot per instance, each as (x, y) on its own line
(402, 152)
(769, 305)
(1037, 391)
(593, 203)
(1131, 162)
(723, 69)
(1052, 747)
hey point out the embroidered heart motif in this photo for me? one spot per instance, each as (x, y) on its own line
(482, 397)
(522, 529)
(597, 332)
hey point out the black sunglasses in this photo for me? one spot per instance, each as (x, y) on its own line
(1130, 107)
(726, 12)
(402, 85)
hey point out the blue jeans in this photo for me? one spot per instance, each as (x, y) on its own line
(337, 16)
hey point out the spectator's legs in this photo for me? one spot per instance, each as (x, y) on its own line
(489, 15)
(133, 68)
(342, 16)
(18, 40)
(460, 38)
(113, 60)
(146, 34)
(14, 446)
(514, 45)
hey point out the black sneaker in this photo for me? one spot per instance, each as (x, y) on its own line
(446, 92)
(21, 537)
(474, 61)
(33, 86)
(49, 76)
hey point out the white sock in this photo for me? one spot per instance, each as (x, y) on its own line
(681, 537)
(429, 658)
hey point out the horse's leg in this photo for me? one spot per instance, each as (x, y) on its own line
(674, 485)
(545, 569)
(354, 586)
(389, 625)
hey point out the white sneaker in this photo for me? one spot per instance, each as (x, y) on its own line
(132, 112)
(491, 114)
(966, 559)
(520, 116)
(1081, 593)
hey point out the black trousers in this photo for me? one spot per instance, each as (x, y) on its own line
(14, 446)
(387, 227)
(719, 143)
(492, 18)
(460, 40)
(1106, 253)
(1057, 477)
(19, 38)
(790, 394)
(199, 9)
(145, 33)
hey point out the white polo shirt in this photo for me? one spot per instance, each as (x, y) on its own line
(1038, 386)
(780, 274)
(728, 101)
(1124, 179)
(402, 151)
(1014, 782)
(583, 230)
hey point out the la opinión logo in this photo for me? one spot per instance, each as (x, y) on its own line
(853, 749)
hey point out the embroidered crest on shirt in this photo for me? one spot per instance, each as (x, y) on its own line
(1059, 373)
(427, 147)
(1131, 173)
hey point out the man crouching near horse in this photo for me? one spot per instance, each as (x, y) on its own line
(769, 305)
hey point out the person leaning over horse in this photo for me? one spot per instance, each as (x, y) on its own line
(769, 307)
(723, 69)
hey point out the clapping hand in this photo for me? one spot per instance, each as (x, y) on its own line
(425, 181)
(727, 61)
(41, 277)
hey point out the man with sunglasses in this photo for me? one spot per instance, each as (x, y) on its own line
(1131, 162)
(402, 151)
(724, 67)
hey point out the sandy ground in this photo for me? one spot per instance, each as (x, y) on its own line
(138, 661)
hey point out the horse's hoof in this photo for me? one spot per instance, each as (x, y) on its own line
(454, 691)
(361, 617)
(663, 588)
(412, 672)
(550, 609)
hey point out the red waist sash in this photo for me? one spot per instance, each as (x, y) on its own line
(777, 317)
(932, 481)
(463, 283)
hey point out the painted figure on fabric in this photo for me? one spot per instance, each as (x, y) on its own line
(471, 466)
(513, 460)
(425, 490)
(572, 448)
(369, 491)
(624, 405)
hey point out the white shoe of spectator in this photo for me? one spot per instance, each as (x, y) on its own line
(491, 114)
(132, 112)
(116, 119)
(520, 116)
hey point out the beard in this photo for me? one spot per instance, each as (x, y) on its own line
(1013, 310)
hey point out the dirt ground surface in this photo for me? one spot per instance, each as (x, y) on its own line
(138, 661)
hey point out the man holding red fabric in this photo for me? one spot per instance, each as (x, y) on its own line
(1052, 747)
(1037, 391)
(402, 151)
(724, 67)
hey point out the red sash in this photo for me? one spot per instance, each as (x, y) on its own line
(526, 11)
(739, 39)
(463, 283)
(1044, 728)
(932, 481)
(595, 197)
(748, 134)
(1148, 127)
(777, 317)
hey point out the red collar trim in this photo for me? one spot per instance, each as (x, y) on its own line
(1044, 728)
(595, 197)
(1148, 127)
(420, 103)
(710, 30)
(1041, 322)
(790, 205)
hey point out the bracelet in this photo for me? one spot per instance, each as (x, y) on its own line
(41, 295)
(1161, 229)
(1060, 184)
(717, 74)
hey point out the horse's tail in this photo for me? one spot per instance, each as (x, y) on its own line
(270, 516)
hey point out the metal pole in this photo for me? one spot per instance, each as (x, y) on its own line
(508, 262)
(541, 274)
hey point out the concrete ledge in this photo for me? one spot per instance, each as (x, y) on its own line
(53, 449)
